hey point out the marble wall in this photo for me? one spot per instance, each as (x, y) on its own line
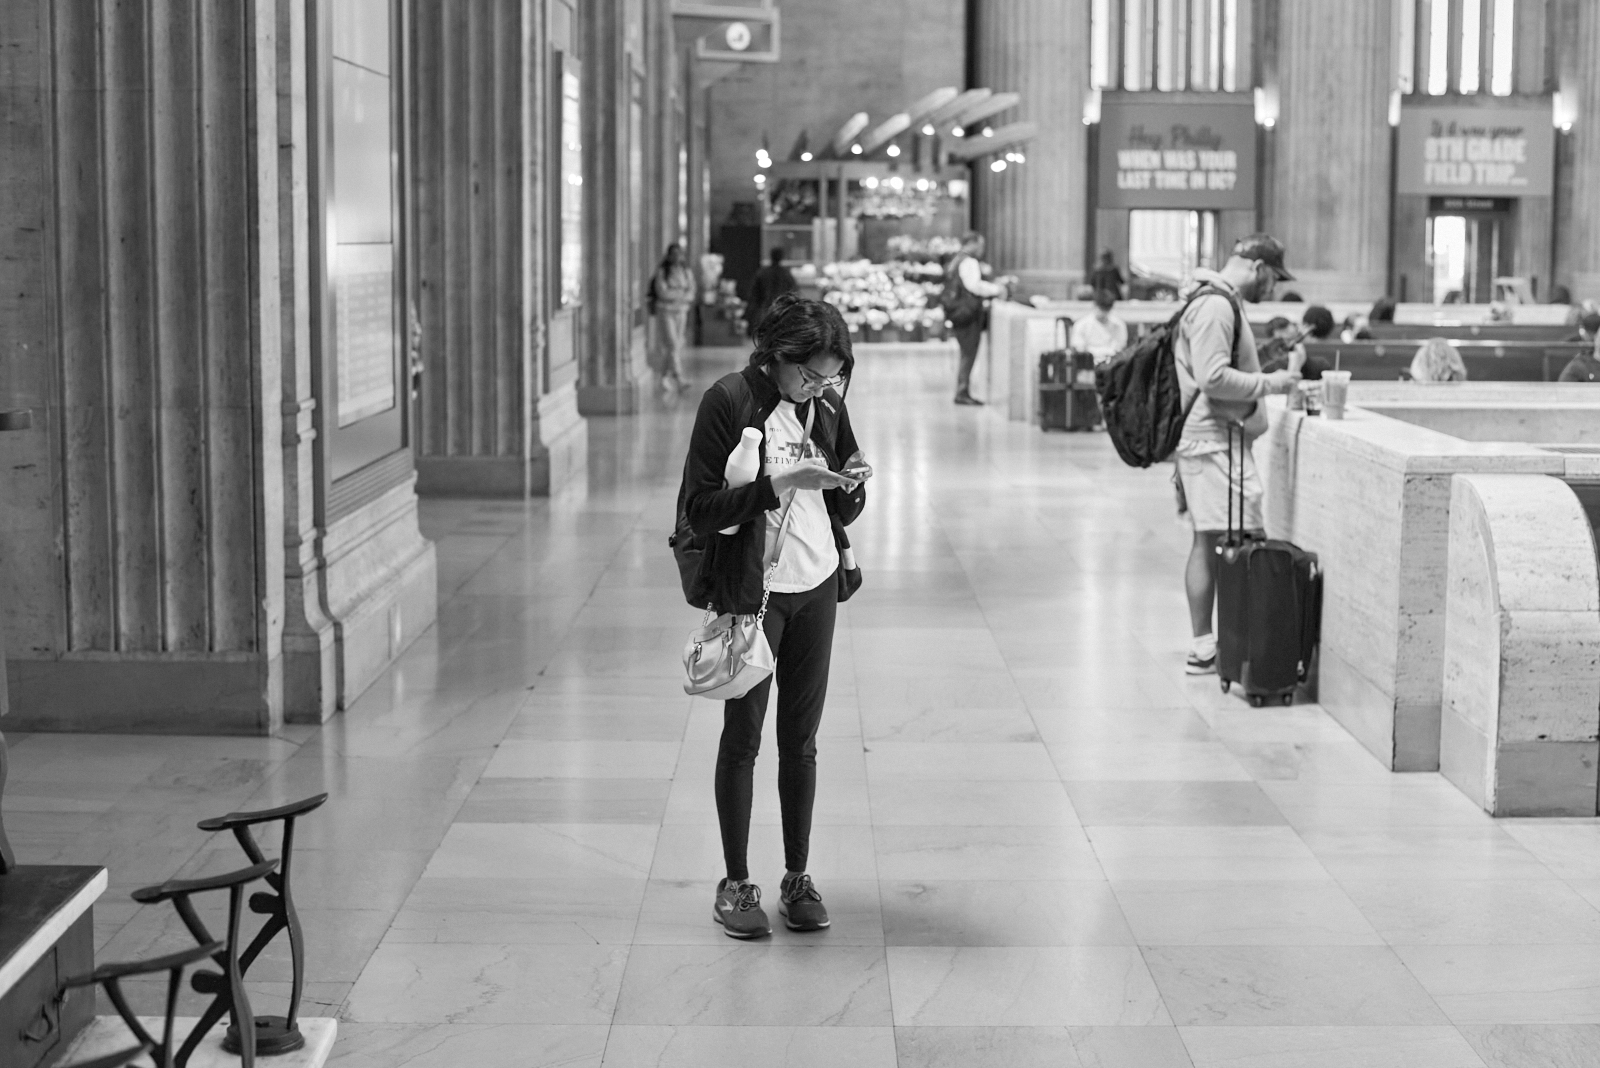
(1371, 496)
(1521, 682)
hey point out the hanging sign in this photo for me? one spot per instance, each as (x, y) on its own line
(1506, 151)
(1195, 155)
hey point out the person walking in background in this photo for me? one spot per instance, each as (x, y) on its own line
(1221, 377)
(1102, 334)
(965, 296)
(770, 283)
(671, 293)
(1107, 276)
(1437, 361)
(791, 520)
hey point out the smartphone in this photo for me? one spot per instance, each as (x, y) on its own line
(859, 472)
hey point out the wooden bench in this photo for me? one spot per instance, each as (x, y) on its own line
(1486, 361)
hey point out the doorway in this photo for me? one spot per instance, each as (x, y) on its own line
(1466, 245)
(1171, 244)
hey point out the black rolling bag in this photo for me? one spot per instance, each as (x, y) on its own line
(1067, 397)
(1269, 610)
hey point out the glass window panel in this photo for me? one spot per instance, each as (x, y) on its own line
(1133, 44)
(1230, 46)
(1406, 65)
(1505, 20)
(361, 33)
(571, 187)
(1165, 45)
(1439, 48)
(1100, 44)
(1471, 45)
(362, 190)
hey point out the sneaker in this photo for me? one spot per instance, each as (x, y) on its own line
(738, 909)
(800, 905)
(1198, 666)
(967, 398)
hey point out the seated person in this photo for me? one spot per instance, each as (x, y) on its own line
(1585, 367)
(1382, 310)
(1588, 330)
(1102, 334)
(1317, 324)
(1437, 361)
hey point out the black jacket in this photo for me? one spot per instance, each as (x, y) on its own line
(730, 574)
(770, 283)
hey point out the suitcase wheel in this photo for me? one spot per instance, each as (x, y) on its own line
(1226, 685)
(1288, 699)
(1256, 700)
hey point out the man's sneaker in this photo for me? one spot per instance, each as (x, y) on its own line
(738, 909)
(968, 399)
(1197, 666)
(800, 905)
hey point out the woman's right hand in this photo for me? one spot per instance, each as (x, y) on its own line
(809, 476)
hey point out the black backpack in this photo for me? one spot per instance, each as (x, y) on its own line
(1141, 399)
(961, 305)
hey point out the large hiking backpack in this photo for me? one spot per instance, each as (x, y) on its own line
(1141, 399)
(962, 307)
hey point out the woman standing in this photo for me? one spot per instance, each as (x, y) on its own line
(671, 294)
(810, 488)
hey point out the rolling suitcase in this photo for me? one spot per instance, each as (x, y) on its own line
(1269, 609)
(1067, 397)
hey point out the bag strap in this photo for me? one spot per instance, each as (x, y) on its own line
(1233, 356)
(783, 524)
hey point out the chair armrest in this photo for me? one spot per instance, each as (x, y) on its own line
(178, 887)
(266, 815)
(123, 969)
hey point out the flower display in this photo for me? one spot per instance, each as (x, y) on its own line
(878, 295)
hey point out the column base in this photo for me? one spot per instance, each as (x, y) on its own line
(150, 694)
(560, 457)
(624, 398)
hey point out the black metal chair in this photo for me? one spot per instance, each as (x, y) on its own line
(110, 977)
(274, 1034)
(227, 986)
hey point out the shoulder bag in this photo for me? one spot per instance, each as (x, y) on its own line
(728, 656)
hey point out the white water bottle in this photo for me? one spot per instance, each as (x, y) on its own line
(744, 464)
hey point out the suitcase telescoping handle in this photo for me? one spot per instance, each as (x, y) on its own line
(1064, 330)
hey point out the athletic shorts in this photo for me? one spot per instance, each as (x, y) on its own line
(1204, 479)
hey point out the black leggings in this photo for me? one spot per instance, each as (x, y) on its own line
(967, 339)
(799, 627)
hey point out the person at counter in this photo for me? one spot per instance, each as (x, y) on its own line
(1585, 367)
(966, 299)
(1107, 276)
(1437, 361)
(1102, 334)
(1588, 330)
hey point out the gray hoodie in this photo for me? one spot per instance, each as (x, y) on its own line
(1203, 351)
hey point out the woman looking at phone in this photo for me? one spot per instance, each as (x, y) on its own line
(796, 379)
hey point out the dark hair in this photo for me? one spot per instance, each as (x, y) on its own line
(1382, 311)
(1104, 299)
(1319, 319)
(775, 257)
(1291, 297)
(796, 330)
(1560, 295)
(1277, 323)
(666, 257)
(1590, 324)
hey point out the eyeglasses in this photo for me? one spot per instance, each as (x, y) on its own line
(816, 381)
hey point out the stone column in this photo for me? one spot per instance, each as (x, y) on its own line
(1332, 146)
(1582, 80)
(479, 97)
(144, 574)
(1034, 215)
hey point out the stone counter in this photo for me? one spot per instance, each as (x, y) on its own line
(1371, 496)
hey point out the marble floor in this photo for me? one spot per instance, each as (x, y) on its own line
(1040, 842)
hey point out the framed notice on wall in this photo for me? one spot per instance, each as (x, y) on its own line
(1164, 153)
(1505, 151)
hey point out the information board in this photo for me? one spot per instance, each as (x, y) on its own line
(1165, 154)
(1506, 151)
(363, 288)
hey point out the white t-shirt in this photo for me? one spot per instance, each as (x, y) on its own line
(810, 557)
(1103, 339)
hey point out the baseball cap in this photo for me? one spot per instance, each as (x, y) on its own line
(1268, 250)
(1590, 323)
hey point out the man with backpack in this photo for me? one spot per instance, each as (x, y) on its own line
(1222, 384)
(965, 299)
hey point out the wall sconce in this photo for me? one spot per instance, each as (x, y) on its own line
(1091, 107)
(1563, 110)
(1266, 107)
(1394, 107)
